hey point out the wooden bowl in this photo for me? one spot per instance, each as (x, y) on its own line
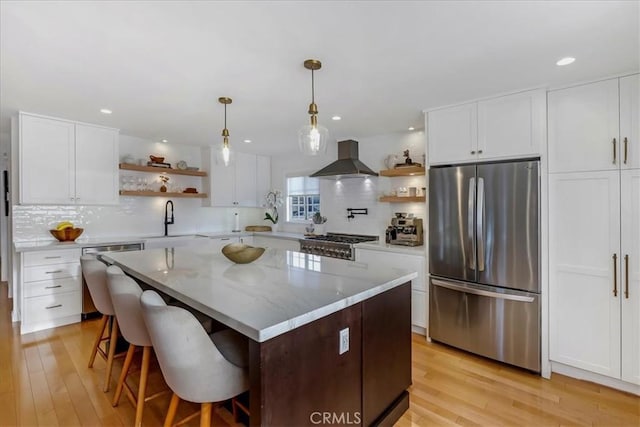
(241, 253)
(156, 159)
(67, 235)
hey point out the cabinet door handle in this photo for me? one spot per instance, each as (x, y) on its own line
(52, 272)
(479, 151)
(615, 275)
(626, 276)
(52, 257)
(614, 150)
(626, 143)
(226, 238)
(53, 306)
(473, 152)
(52, 287)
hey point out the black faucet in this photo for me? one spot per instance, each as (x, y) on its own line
(167, 221)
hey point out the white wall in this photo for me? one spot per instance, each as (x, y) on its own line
(136, 216)
(336, 197)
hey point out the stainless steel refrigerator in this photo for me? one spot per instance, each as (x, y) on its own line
(484, 260)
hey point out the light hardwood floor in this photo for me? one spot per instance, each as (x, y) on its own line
(44, 381)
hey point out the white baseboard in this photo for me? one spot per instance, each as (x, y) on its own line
(581, 374)
(15, 316)
(61, 321)
(419, 330)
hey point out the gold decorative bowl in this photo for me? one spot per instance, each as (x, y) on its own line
(241, 253)
(67, 235)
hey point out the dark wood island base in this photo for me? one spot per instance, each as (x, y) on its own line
(299, 378)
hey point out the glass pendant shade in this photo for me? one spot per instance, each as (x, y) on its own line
(313, 139)
(224, 155)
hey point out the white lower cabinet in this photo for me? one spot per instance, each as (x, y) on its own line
(174, 241)
(630, 275)
(217, 243)
(51, 293)
(275, 242)
(403, 261)
(594, 260)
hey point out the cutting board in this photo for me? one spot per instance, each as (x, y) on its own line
(257, 228)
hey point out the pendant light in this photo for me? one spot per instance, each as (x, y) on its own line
(312, 138)
(225, 153)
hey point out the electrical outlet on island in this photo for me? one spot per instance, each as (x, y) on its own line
(344, 341)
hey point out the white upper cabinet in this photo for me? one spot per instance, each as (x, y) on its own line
(512, 126)
(96, 165)
(452, 134)
(506, 127)
(630, 122)
(263, 184)
(63, 162)
(246, 180)
(238, 184)
(583, 128)
(47, 161)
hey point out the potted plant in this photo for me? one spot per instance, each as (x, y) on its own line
(273, 200)
(318, 221)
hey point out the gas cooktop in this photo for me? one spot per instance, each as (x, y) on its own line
(344, 238)
(334, 245)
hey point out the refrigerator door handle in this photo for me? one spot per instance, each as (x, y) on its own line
(470, 210)
(474, 291)
(480, 224)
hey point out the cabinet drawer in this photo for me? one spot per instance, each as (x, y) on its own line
(51, 257)
(48, 287)
(50, 307)
(51, 272)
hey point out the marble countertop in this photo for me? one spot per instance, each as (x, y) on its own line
(277, 293)
(48, 244)
(385, 247)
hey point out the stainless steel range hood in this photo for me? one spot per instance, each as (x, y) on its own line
(348, 165)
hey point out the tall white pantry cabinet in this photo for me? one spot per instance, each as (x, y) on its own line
(594, 228)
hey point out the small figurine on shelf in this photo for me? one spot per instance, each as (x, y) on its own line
(163, 187)
(408, 160)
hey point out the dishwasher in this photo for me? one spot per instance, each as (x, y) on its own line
(88, 309)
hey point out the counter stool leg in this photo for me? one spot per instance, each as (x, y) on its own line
(123, 374)
(96, 344)
(205, 415)
(146, 356)
(112, 351)
(173, 408)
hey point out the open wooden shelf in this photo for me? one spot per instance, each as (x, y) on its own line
(396, 199)
(130, 167)
(161, 194)
(405, 171)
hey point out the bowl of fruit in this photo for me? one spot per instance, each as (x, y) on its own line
(66, 232)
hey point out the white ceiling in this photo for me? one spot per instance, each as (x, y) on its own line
(160, 66)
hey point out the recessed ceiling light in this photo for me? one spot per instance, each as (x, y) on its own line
(165, 141)
(565, 61)
(412, 128)
(105, 111)
(247, 141)
(336, 118)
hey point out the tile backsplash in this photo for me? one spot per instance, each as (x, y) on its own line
(134, 216)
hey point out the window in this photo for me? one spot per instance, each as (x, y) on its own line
(303, 198)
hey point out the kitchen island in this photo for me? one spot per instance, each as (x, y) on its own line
(296, 310)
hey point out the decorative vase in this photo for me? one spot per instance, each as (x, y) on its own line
(319, 229)
(163, 188)
(275, 227)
